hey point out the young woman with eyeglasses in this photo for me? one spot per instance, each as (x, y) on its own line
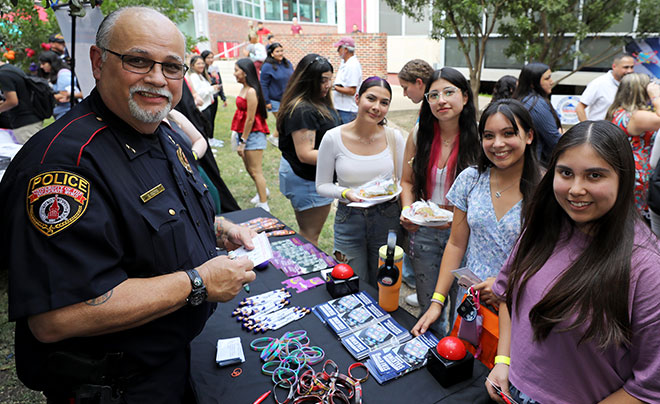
(250, 123)
(489, 201)
(442, 145)
(305, 114)
(581, 317)
(359, 152)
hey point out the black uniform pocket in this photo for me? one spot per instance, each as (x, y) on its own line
(166, 221)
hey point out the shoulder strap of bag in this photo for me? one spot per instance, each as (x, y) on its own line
(391, 142)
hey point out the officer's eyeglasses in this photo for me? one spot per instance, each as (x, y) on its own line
(433, 97)
(140, 65)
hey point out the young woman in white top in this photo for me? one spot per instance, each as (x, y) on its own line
(359, 152)
(201, 83)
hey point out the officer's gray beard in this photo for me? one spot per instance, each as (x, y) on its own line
(144, 115)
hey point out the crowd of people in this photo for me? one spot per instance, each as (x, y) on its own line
(555, 224)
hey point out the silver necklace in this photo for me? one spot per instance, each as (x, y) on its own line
(498, 194)
(367, 141)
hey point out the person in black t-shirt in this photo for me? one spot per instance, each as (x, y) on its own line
(306, 113)
(16, 113)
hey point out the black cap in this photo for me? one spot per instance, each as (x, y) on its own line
(56, 38)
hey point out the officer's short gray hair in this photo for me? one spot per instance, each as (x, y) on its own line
(104, 33)
(349, 48)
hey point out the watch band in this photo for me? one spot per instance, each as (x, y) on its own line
(198, 293)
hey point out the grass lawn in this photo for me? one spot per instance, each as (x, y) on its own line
(239, 182)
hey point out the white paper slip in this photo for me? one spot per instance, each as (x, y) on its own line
(466, 277)
(229, 352)
(262, 250)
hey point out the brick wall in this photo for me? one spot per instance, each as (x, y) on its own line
(231, 28)
(370, 49)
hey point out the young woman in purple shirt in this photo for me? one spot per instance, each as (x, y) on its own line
(582, 314)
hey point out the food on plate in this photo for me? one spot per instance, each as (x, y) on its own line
(430, 212)
(378, 188)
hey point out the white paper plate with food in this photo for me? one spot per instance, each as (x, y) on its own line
(378, 190)
(427, 213)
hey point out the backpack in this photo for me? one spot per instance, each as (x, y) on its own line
(41, 96)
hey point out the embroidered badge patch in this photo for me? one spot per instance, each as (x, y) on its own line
(56, 199)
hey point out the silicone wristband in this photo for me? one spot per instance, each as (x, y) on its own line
(502, 359)
(344, 192)
(405, 207)
(439, 297)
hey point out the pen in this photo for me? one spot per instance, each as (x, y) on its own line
(262, 397)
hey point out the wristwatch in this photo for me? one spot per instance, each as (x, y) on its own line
(198, 293)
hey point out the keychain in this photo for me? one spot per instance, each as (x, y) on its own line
(468, 309)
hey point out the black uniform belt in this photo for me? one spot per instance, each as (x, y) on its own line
(69, 373)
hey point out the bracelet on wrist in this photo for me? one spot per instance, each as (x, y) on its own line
(438, 301)
(405, 207)
(502, 359)
(344, 192)
(439, 297)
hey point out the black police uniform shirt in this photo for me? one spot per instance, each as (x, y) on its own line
(87, 203)
(11, 79)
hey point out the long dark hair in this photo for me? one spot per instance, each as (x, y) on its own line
(204, 73)
(305, 87)
(593, 291)
(56, 65)
(252, 80)
(468, 137)
(270, 59)
(375, 81)
(504, 88)
(515, 112)
(529, 84)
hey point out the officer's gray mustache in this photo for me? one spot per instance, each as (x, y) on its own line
(153, 90)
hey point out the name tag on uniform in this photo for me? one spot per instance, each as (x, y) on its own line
(150, 194)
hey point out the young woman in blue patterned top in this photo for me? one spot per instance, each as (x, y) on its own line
(488, 202)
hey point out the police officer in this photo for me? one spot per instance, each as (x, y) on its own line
(108, 232)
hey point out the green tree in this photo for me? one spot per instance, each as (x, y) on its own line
(21, 28)
(472, 22)
(550, 32)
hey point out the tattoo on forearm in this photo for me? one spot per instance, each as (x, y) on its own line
(97, 301)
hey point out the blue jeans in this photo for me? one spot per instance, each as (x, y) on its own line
(346, 116)
(520, 397)
(360, 232)
(427, 245)
(299, 191)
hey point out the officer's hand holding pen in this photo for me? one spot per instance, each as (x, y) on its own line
(224, 277)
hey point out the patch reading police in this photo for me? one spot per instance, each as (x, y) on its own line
(56, 199)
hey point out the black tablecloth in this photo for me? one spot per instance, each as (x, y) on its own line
(213, 384)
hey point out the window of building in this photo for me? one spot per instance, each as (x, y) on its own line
(321, 11)
(390, 22)
(595, 47)
(272, 10)
(454, 56)
(227, 6)
(306, 10)
(289, 10)
(214, 5)
(495, 58)
(414, 27)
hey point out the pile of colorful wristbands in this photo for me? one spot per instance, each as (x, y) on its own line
(289, 360)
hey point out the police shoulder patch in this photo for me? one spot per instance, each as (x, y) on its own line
(56, 199)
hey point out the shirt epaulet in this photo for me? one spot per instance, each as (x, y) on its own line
(68, 143)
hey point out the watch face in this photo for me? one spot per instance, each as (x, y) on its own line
(198, 282)
(197, 297)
